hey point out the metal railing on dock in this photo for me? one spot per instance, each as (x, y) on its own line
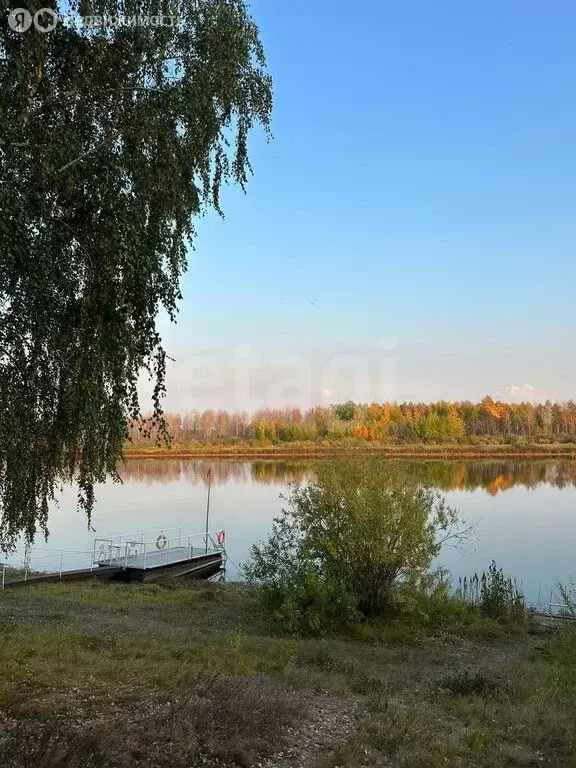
(58, 562)
(154, 548)
(145, 550)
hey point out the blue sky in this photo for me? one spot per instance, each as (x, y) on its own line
(418, 196)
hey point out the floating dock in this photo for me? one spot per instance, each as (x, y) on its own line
(144, 556)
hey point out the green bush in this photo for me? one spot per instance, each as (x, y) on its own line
(500, 597)
(311, 603)
(445, 611)
(356, 542)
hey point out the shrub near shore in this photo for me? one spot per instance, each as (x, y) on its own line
(356, 542)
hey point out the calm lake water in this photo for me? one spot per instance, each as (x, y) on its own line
(524, 512)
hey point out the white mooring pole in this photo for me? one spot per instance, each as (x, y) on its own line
(209, 477)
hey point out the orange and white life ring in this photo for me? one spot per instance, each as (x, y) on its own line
(221, 537)
(161, 542)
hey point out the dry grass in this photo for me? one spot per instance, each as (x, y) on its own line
(322, 448)
(219, 719)
(119, 676)
(521, 715)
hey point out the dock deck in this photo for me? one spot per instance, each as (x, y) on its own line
(144, 556)
(154, 558)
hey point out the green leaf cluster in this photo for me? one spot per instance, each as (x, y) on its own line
(112, 139)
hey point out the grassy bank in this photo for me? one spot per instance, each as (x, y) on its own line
(119, 676)
(318, 449)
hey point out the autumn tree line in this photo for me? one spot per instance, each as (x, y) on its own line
(395, 423)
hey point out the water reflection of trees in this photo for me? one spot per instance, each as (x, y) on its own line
(492, 476)
(149, 471)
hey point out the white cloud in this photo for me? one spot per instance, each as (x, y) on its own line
(523, 392)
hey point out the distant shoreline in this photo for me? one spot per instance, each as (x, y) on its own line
(313, 451)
